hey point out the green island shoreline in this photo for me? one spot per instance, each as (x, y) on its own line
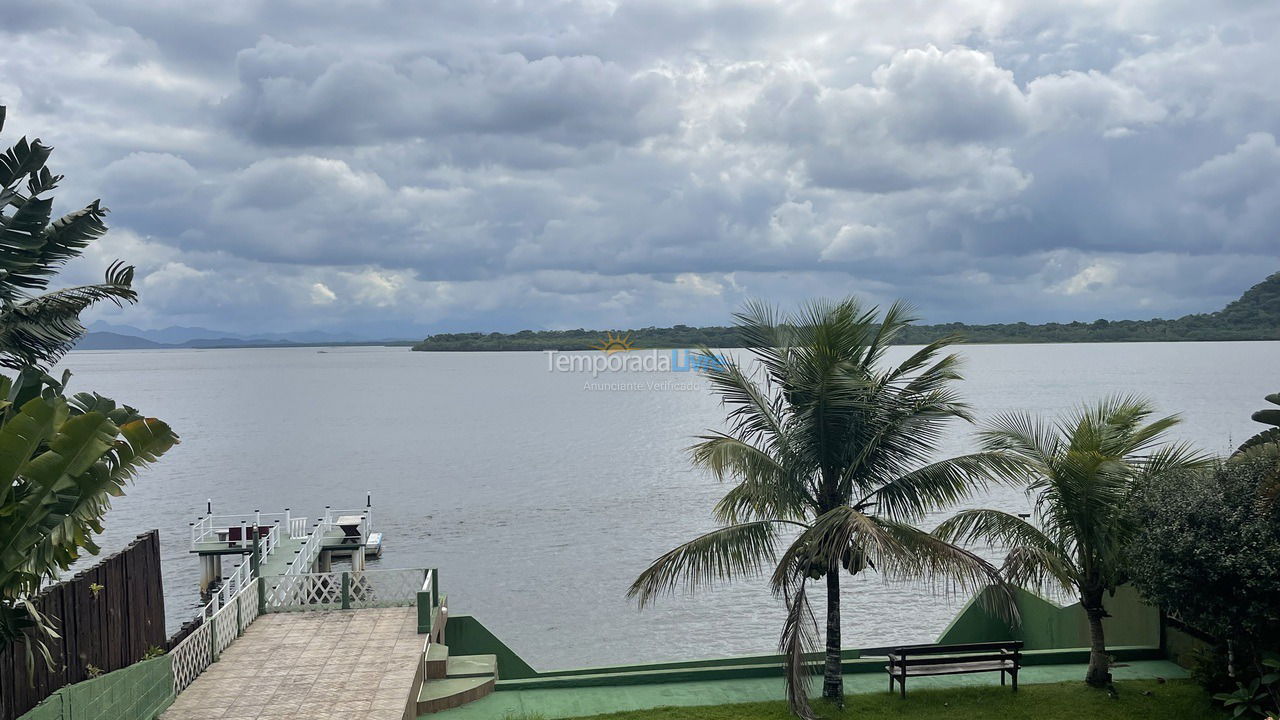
(1255, 315)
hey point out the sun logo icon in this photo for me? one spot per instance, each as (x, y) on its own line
(614, 343)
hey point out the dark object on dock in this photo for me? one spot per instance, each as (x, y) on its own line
(926, 660)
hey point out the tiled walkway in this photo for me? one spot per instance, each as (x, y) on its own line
(347, 664)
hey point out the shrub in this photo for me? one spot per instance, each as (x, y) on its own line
(1207, 550)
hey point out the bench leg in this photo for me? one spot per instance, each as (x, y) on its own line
(902, 683)
(1015, 680)
(890, 683)
(1002, 678)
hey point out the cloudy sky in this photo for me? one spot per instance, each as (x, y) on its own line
(395, 168)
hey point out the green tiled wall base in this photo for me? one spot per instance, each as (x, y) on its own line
(139, 692)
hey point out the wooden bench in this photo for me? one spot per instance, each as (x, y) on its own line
(926, 660)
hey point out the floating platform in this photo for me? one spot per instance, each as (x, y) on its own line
(286, 544)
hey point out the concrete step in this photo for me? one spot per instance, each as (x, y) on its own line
(437, 661)
(446, 693)
(472, 666)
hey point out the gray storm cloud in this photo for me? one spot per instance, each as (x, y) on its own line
(502, 165)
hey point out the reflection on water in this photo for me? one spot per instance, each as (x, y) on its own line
(541, 497)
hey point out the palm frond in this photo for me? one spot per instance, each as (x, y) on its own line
(941, 484)
(1034, 558)
(720, 555)
(766, 489)
(1024, 434)
(946, 568)
(38, 331)
(799, 639)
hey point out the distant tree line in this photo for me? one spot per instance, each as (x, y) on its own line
(1255, 316)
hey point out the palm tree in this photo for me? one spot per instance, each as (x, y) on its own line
(38, 327)
(62, 458)
(1082, 470)
(831, 450)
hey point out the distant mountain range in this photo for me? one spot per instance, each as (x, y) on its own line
(106, 336)
(1254, 316)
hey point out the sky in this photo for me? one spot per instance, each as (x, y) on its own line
(401, 168)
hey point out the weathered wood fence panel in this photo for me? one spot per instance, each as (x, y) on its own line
(109, 617)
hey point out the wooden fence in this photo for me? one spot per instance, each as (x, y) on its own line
(109, 617)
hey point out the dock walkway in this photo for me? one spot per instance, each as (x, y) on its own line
(348, 664)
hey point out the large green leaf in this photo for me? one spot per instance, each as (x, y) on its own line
(19, 438)
(54, 493)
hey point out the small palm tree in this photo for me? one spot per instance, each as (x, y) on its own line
(38, 326)
(830, 450)
(1264, 447)
(1082, 471)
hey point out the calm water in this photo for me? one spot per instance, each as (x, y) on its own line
(540, 499)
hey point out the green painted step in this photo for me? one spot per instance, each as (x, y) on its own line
(473, 666)
(437, 695)
(437, 661)
(437, 652)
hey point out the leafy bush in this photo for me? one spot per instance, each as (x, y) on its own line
(1207, 549)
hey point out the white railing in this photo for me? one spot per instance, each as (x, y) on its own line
(349, 589)
(217, 528)
(242, 576)
(203, 646)
(429, 586)
(366, 525)
(297, 528)
(308, 552)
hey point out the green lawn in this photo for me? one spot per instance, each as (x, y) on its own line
(1138, 700)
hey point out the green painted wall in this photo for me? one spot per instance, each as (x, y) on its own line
(1182, 647)
(466, 635)
(1044, 625)
(1052, 635)
(139, 692)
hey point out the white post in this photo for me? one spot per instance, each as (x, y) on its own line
(206, 573)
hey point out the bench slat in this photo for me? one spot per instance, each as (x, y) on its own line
(951, 659)
(953, 669)
(958, 648)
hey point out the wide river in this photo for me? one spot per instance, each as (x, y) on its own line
(540, 496)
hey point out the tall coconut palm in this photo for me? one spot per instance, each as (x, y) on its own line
(1082, 470)
(37, 326)
(830, 451)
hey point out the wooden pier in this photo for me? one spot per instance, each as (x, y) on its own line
(281, 544)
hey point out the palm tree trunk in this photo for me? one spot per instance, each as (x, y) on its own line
(833, 681)
(1098, 673)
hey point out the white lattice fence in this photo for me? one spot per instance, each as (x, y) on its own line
(199, 649)
(310, 591)
(248, 601)
(191, 657)
(385, 588)
(348, 589)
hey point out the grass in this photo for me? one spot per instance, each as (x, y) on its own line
(1137, 700)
